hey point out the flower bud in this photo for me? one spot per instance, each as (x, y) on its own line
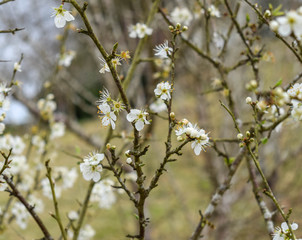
(171, 28)
(172, 115)
(180, 138)
(185, 28)
(178, 25)
(108, 146)
(248, 134)
(127, 153)
(241, 145)
(129, 160)
(248, 100)
(240, 136)
(267, 13)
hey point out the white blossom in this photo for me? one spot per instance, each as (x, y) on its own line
(21, 214)
(108, 117)
(103, 193)
(139, 117)
(200, 142)
(36, 202)
(61, 16)
(181, 15)
(66, 58)
(158, 106)
(17, 67)
(163, 90)
(139, 30)
(57, 130)
(291, 22)
(91, 167)
(163, 50)
(296, 112)
(214, 12)
(295, 91)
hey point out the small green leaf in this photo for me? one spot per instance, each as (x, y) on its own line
(278, 83)
(78, 150)
(264, 140)
(247, 18)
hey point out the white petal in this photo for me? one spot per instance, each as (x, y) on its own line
(284, 30)
(68, 17)
(96, 176)
(112, 116)
(59, 21)
(131, 117)
(105, 121)
(105, 108)
(139, 125)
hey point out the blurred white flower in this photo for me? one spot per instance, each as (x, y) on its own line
(66, 58)
(36, 202)
(17, 67)
(57, 130)
(163, 90)
(4, 89)
(139, 30)
(139, 117)
(21, 214)
(158, 106)
(297, 110)
(214, 12)
(163, 50)
(73, 215)
(295, 91)
(61, 16)
(218, 40)
(38, 142)
(181, 15)
(103, 193)
(86, 233)
(2, 128)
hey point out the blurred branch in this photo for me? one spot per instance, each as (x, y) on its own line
(216, 198)
(57, 216)
(6, 1)
(29, 208)
(267, 215)
(12, 31)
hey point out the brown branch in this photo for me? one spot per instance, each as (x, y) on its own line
(12, 31)
(29, 208)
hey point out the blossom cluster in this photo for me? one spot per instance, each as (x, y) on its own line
(108, 108)
(139, 30)
(290, 23)
(283, 233)
(103, 193)
(193, 132)
(295, 93)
